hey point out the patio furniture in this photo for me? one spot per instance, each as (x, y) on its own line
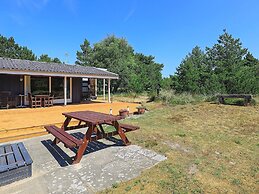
(34, 101)
(94, 121)
(22, 96)
(7, 99)
(247, 97)
(48, 101)
(43, 98)
(15, 163)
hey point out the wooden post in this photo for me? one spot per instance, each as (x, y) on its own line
(49, 84)
(65, 90)
(109, 90)
(103, 89)
(95, 87)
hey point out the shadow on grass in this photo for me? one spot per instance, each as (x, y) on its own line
(64, 160)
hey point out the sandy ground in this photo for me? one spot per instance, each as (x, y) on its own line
(30, 117)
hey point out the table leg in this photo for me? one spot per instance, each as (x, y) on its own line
(82, 148)
(66, 123)
(121, 133)
(101, 128)
(64, 126)
(79, 123)
(44, 105)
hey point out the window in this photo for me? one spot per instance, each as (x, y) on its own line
(39, 85)
(85, 88)
(57, 87)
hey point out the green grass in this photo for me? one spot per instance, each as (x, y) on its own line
(210, 149)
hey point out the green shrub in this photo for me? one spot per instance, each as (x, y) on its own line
(253, 102)
(170, 97)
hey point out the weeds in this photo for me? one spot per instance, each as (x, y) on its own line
(170, 97)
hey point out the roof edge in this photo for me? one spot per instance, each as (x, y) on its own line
(54, 74)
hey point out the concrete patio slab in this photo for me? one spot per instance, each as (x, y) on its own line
(105, 162)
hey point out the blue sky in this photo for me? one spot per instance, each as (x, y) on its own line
(166, 29)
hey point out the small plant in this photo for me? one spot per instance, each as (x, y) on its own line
(136, 182)
(197, 161)
(115, 185)
(237, 141)
(141, 109)
(253, 102)
(128, 188)
(236, 182)
(141, 106)
(181, 134)
(151, 143)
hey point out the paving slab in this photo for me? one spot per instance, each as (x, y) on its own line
(104, 163)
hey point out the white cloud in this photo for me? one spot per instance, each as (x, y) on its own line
(32, 5)
(129, 15)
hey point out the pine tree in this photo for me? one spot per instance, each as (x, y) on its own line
(84, 57)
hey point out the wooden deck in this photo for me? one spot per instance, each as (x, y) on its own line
(27, 122)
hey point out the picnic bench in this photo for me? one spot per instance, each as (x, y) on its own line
(94, 122)
(247, 97)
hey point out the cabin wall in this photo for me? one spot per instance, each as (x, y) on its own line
(11, 83)
(76, 89)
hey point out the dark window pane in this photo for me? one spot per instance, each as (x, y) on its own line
(39, 85)
(57, 87)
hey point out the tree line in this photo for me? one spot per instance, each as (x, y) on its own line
(226, 67)
(137, 72)
(10, 49)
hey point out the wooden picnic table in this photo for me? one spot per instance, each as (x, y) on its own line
(42, 98)
(94, 122)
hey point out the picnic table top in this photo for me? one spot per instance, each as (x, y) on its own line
(92, 117)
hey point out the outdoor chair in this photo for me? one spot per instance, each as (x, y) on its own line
(49, 101)
(34, 101)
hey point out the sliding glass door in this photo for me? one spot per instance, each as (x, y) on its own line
(39, 85)
(57, 87)
(54, 86)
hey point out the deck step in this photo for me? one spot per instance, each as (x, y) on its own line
(7, 135)
(22, 136)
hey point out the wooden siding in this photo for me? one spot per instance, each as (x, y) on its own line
(77, 89)
(11, 83)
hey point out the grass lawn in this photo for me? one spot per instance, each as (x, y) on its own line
(210, 149)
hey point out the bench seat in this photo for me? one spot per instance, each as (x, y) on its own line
(68, 140)
(128, 128)
(125, 127)
(247, 97)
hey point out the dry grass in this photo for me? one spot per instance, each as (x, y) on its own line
(131, 98)
(210, 148)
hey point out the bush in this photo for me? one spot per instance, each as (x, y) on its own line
(253, 102)
(170, 97)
